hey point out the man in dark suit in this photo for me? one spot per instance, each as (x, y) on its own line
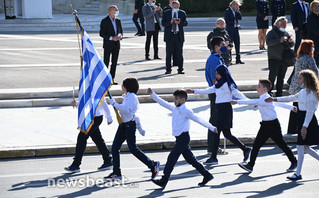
(111, 31)
(174, 20)
(232, 15)
(138, 14)
(298, 14)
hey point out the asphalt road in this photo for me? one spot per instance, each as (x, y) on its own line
(42, 59)
(45, 177)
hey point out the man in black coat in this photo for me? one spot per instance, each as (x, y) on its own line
(313, 28)
(174, 20)
(232, 15)
(299, 13)
(111, 31)
(138, 14)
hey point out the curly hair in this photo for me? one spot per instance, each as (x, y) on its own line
(311, 81)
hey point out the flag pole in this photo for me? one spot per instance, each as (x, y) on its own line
(74, 12)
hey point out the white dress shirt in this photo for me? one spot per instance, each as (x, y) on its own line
(181, 117)
(103, 109)
(307, 101)
(128, 107)
(266, 109)
(114, 26)
(177, 28)
(223, 94)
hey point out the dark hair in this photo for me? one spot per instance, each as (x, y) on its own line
(131, 85)
(216, 40)
(181, 93)
(265, 83)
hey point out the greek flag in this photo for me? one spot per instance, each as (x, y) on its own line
(94, 83)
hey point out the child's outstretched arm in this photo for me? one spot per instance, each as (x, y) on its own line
(159, 100)
(201, 121)
(238, 94)
(286, 106)
(208, 90)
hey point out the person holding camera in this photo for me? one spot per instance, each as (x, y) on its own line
(277, 39)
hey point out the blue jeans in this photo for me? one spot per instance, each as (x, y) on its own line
(182, 148)
(126, 131)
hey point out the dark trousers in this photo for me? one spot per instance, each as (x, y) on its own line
(114, 51)
(174, 47)
(126, 131)
(182, 148)
(235, 38)
(298, 39)
(212, 120)
(140, 28)
(270, 129)
(227, 134)
(149, 35)
(96, 136)
(277, 69)
(293, 121)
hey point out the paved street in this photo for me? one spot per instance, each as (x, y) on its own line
(44, 177)
(42, 59)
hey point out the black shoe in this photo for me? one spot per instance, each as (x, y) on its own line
(181, 72)
(155, 169)
(211, 161)
(294, 177)
(115, 83)
(147, 58)
(292, 167)
(246, 167)
(141, 34)
(107, 166)
(156, 57)
(159, 182)
(247, 154)
(137, 34)
(168, 72)
(239, 62)
(113, 176)
(72, 169)
(206, 180)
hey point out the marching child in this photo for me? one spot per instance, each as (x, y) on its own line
(181, 117)
(308, 129)
(269, 126)
(225, 88)
(126, 130)
(97, 138)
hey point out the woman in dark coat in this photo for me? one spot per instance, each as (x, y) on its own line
(313, 27)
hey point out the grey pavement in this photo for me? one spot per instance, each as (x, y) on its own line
(39, 67)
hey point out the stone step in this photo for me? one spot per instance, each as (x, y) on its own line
(80, 10)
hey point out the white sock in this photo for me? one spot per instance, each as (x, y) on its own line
(301, 154)
(311, 152)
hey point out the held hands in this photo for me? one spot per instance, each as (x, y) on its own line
(190, 90)
(177, 21)
(233, 102)
(215, 131)
(295, 110)
(282, 39)
(270, 99)
(303, 132)
(149, 91)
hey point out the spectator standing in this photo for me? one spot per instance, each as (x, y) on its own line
(138, 14)
(313, 27)
(262, 7)
(278, 9)
(152, 13)
(277, 39)
(299, 14)
(221, 31)
(174, 21)
(111, 31)
(231, 16)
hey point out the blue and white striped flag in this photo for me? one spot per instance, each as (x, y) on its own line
(94, 83)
